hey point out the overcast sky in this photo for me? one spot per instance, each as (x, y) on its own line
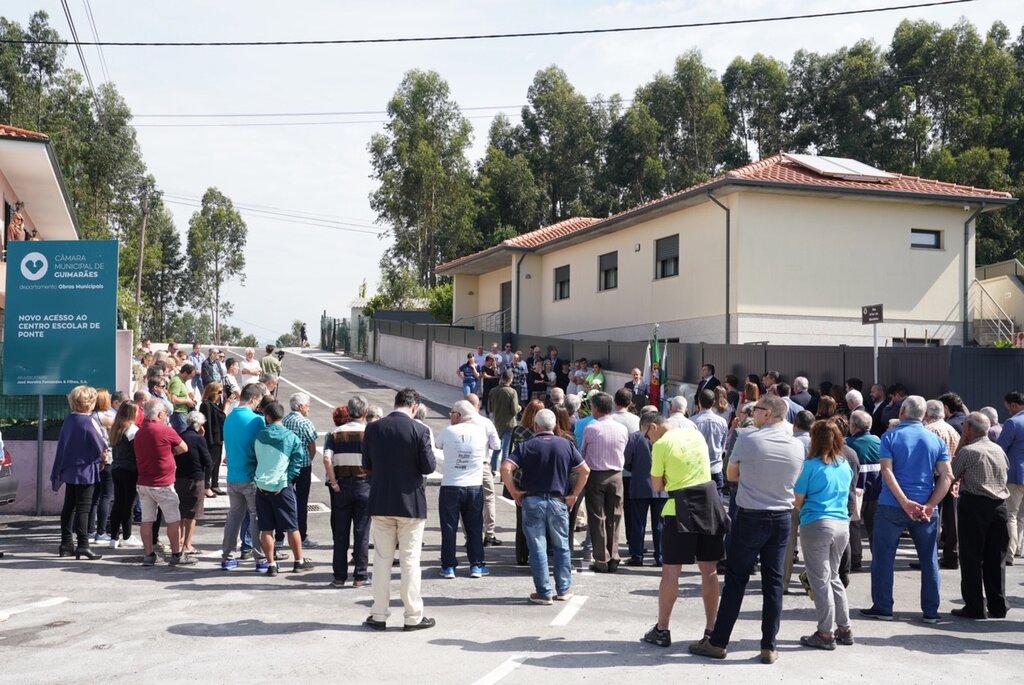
(298, 271)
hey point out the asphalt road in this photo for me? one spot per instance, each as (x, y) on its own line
(67, 621)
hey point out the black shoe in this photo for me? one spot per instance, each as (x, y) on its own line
(246, 555)
(661, 638)
(272, 570)
(422, 625)
(491, 541)
(87, 553)
(949, 564)
(370, 622)
(634, 562)
(304, 565)
(599, 569)
(522, 562)
(964, 613)
(181, 560)
(916, 565)
(66, 550)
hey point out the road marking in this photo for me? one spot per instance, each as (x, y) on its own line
(506, 667)
(570, 610)
(282, 378)
(41, 604)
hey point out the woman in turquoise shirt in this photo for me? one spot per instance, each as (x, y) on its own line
(822, 493)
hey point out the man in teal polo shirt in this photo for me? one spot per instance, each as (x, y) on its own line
(240, 430)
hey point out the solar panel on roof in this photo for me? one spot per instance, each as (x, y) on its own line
(840, 167)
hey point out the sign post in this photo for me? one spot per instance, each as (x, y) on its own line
(872, 314)
(60, 322)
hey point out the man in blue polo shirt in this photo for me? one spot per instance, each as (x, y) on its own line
(240, 430)
(545, 461)
(915, 477)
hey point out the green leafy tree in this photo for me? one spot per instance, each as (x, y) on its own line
(440, 301)
(162, 284)
(559, 141)
(423, 193)
(216, 253)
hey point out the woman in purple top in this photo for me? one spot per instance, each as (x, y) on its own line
(76, 466)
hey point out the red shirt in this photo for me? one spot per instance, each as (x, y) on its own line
(154, 454)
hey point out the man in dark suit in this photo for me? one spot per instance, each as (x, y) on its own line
(879, 399)
(636, 386)
(707, 379)
(398, 454)
(643, 497)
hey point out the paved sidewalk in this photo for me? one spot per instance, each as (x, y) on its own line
(433, 391)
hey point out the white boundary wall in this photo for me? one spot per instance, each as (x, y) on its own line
(402, 354)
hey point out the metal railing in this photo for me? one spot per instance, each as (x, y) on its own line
(492, 322)
(990, 320)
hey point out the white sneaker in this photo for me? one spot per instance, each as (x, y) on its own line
(114, 543)
(133, 543)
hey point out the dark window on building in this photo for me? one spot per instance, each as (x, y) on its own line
(929, 240)
(666, 257)
(608, 271)
(562, 283)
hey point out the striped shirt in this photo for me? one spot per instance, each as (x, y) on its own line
(981, 468)
(344, 447)
(303, 429)
(604, 444)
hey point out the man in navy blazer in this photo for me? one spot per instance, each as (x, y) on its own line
(398, 454)
(642, 496)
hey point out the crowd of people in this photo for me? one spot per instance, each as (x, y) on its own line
(750, 478)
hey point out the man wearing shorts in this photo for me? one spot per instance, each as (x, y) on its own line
(156, 443)
(280, 456)
(679, 459)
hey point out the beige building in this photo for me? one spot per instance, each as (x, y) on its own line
(786, 250)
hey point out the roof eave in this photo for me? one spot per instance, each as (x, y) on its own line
(881, 192)
(63, 187)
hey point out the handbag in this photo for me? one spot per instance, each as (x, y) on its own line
(858, 503)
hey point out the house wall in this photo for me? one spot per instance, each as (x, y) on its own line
(527, 305)
(806, 266)
(1008, 293)
(621, 313)
(489, 292)
(446, 360)
(464, 305)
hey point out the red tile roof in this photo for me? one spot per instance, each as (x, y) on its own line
(15, 132)
(771, 171)
(527, 240)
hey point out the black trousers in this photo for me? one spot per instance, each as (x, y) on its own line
(302, 484)
(983, 542)
(213, 472)
(74, 516)
(949, 529)
(124, 500)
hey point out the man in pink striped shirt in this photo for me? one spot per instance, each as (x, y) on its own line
(604, 451)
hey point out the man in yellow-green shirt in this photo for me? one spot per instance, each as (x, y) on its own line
(680, 460)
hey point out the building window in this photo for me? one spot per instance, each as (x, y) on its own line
(928, 240)
(666, 257)
(562, 283)
(608, 271)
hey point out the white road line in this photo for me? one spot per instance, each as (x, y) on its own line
(570, 610)
(506, 667)
(41, 604)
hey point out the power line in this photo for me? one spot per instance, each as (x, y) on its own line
(96, 35)
(493, 36)
(354, 221)
(78, 46)
(252, 124)
(277, 211)
(368, 112)
(197, 205)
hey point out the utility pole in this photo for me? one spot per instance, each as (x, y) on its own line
(142, 247)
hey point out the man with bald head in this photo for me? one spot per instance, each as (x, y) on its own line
(461, 492)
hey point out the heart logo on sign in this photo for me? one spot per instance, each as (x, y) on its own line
(34, 266)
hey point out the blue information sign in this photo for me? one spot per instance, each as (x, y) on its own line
(60, 318)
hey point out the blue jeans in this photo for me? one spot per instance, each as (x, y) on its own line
(465, 502)
(501, 455)
(638, 526)
(350, 514)
(178, 421)
(102, 500)
(754, 534)
(468, 386)
(889, 524)
(546, 520)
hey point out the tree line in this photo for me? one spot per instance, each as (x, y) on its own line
(113, 194)
(940, 102)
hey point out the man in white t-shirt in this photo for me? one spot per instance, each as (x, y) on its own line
(461, 493)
